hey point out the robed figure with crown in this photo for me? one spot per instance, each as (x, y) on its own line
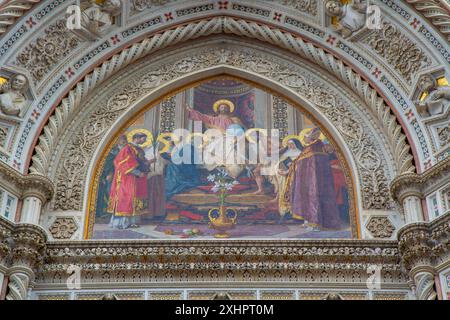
(311, 196)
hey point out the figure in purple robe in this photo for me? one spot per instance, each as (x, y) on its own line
(310, 189)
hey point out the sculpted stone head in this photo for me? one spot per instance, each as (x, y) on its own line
(334, 8)
(111, 6)
(426, 83)
(18, 82)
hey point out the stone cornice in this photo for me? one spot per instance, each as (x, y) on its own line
(420, 184)
(301, 261)
(27, 185)
(122, 248)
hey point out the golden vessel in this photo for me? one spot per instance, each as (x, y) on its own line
(222, 219)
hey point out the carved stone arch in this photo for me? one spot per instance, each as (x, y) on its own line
(353, 55)
(43, 151)
(130, 90)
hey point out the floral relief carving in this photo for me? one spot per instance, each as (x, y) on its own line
(308, 6)
(444, 135)
(207, 261)
(380, 227)
(141, 5)
(78, 152)
(3, 135)
(63, 228)
(402, 53)
(40, 56)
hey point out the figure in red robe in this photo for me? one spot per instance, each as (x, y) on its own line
(128, 195)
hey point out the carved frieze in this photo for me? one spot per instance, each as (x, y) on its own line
(403, 54)
(307, 6)
(192, 261)
(141, 5)
(40, 56)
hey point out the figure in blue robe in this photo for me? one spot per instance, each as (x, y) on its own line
(181, 171)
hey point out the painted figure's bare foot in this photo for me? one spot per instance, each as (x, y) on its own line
(273, 201)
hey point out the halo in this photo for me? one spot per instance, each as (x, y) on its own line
(290, 137)
(149, 135)
(307, 131)
(162, 138)
(223, 101)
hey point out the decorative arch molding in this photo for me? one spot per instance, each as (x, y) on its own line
(435, 11)
(398, 100)
(341, 112)
(386, 120)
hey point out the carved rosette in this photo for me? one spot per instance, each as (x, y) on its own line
(380, 227)
(63, 228)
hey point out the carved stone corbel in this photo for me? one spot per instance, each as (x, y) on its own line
(423, 247)
(22, 250)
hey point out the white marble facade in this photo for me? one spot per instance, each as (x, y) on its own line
(382, 92)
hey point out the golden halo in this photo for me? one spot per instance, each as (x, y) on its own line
(149, 135)
(290, 137)
(162, 138)
(306, 132)
(223, 101)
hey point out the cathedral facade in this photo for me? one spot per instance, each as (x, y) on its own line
(184, 149)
